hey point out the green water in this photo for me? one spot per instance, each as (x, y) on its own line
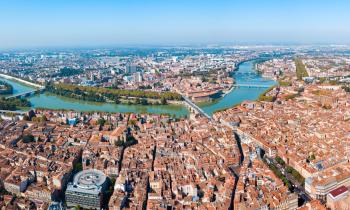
(51, 101)
(245, 75)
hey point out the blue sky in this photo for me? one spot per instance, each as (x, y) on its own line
(65, 23)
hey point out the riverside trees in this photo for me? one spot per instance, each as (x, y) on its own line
(99, 94)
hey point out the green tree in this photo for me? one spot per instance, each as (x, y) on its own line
(300, 69)
(28, 138)
(101, 121)
(164, 101)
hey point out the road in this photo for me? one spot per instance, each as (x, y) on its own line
(298, 187)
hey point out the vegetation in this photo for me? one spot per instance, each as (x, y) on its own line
(346, 88)
(13, 104)
(275, 170)
(145, 87)
(28, 138)
(264, 97)
(284, 83)
(300, 69)
(26, 118)
(99, 94)
(311, 157)
(164, 101)
(39, 119)
(78, 167)
(101, 121)
(322, 92)
(5, 88)
(333, 82)
(67, 72)
(280, 161)
(322, 80)
(295, 174)
(291, 170)
(291, 96)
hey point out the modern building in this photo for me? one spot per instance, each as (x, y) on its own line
(138, 77)
(319, 185)
(87, 189)
(339, 198)
(130, 68)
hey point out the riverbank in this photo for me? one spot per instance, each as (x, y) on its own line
(5, 88)
(245, 74)
(52, 101)
(21, 81)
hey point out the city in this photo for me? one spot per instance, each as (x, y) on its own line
(203, 126)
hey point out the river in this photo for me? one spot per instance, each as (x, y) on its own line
(244, 75)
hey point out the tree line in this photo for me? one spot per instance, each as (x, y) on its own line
(13, 103)
(100, 94)
(300, 69)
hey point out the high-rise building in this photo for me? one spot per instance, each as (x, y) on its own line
(138, 77)
(87, 189)
(130, 68)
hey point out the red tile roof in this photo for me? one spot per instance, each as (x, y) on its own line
(340, 190)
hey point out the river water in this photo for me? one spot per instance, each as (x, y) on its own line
(244, 75)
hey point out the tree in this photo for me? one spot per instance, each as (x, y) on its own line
(78, 167)
(26, 118)
(280, 161)
(164, 101)
(28, 138)
(312, 157)
(43, 118)
(144, 101)
(300, 69)
(119, 143)
(101, 121)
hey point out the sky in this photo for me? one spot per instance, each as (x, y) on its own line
(85, 23)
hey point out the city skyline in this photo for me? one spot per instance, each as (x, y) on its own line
(90, 24)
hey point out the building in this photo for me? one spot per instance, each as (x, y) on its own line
(339, 199)
(130, 68)
(326, 181)
(87, 189)
(138, 77)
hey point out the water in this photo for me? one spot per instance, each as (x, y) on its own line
(245, 75)
(17, 87)
(51, 101)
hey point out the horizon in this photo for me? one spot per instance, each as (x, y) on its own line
(250, 45)
(87, 24)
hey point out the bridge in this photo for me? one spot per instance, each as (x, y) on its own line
(195, 108)
(26, 94)
(251, 86)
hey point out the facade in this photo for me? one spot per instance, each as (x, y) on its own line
(130, 68)
(86, 190)
(339, 199)
(318, 188)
